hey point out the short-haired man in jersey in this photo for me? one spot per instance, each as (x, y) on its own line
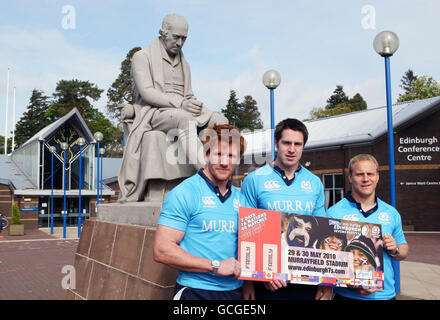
(285, 186)
(363, 205)
(197, 231)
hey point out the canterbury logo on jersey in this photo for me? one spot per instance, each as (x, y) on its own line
(272, 185)
(209, 201)
(351, 217)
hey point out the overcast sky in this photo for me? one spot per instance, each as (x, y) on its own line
(314, 45)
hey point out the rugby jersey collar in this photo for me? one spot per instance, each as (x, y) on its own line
(350, 198)
(286, 180)
(215, 188)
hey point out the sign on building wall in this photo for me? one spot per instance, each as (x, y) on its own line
(419, 151)
(424, 149)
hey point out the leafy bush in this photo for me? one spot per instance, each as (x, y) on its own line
(15, 214)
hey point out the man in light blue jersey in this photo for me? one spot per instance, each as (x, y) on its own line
(362, 204)
(197, 231)
(285, 186)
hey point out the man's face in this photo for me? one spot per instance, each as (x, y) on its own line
(174, 37)
(289, 149)
(222, 159)
(300, 234)
(364, 178)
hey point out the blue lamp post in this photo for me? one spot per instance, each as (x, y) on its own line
(98, 137)
(101, 151)
(386, 44)
(52, 150)
(81, 143)
(272, 79)
(64, 146)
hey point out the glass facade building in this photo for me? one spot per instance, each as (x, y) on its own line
(68, 168)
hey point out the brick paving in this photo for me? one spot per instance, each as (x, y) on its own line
(424, 247)
(31, 269)
(30, 235)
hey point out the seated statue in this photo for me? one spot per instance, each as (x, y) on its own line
(166, 113)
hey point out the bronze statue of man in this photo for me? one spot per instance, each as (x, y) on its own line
(164, 102)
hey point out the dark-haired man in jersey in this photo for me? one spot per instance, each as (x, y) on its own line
(285, 186)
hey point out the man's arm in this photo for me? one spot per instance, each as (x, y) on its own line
(248, 193)
(391, 246)
(167, 251)
(319, 209)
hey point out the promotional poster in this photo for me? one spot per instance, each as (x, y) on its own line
(309, 250)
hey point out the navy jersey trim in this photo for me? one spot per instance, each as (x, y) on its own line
(215, 188)
(350, 198)
(286, 180)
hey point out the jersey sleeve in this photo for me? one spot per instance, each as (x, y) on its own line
(398, 230)
(319, 209)
(331, 213)
(248, 193)
(177, 209)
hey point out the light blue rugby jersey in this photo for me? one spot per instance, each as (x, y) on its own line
(391, 222)
(267, 188)
(211, 227)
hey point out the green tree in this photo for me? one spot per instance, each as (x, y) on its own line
(232, 110)
(33, 119)
(121, 89)
(16, 216)
(407, 81)
(244, 115)
(250, 116)
(319, 113)
(2, 145)
(337, 97)
(356, 103)
(421, 88)
(71, 94)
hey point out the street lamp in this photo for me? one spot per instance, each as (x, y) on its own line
(386, 44)
(64, 146)
(52, 150)
(101, 152)
(98, 137)
(81, 143)
(272, 79)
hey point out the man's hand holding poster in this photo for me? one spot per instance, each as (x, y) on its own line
(309, 250)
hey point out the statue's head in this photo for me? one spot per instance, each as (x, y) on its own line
(173, 33)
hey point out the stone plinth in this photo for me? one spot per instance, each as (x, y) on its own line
(143, 214)
(114, 259)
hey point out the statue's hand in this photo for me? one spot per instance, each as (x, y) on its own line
(193, 106)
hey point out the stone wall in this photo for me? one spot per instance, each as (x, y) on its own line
(115, 261)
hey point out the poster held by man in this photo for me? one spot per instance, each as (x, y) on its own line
(309, 250)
